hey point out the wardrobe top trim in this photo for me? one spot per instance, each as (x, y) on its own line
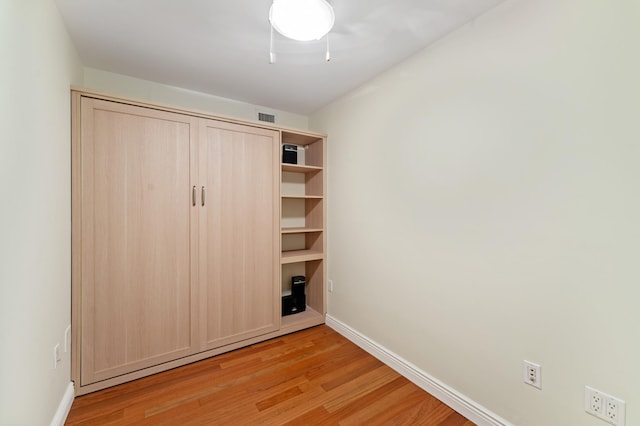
(196, 113)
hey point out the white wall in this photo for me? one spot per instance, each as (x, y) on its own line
(136, 88)
(484, 208)
(38, 65)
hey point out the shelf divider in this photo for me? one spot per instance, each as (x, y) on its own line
(295, 256)
(300, 230)
(300, 168)
(303, 197)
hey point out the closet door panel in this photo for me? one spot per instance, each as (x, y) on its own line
(136, 214)
(239, 227)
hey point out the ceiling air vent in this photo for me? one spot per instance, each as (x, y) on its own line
(269, 118)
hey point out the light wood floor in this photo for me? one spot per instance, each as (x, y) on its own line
(313, 377)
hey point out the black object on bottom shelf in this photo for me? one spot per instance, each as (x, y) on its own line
(293, 305)
(296, 301)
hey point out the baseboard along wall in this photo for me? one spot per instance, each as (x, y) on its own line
(454, 399)
(64, 407)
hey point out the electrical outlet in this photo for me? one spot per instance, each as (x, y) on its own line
(596, 403)
(56, 356)
(611, 411)
(604, 406)
(532, 374)
(330, 286)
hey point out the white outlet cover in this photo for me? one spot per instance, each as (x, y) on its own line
(616, 417)
(532, 374)
(589, 392)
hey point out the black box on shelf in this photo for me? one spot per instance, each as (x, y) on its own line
(293, 305)
(297, 285)
(296, 301)
(290, 154)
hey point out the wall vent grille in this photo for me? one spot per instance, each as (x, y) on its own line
(269, 118)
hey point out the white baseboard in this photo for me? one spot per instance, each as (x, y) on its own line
(65, 406)
(462, 404)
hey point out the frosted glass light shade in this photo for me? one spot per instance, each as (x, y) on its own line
(302, 20)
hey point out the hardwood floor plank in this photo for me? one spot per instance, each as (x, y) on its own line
(347, 373)
(393, 411)
(376, 402)
(369, 402)
(278, 398)
(359, 387)
(427, 412)
(347, 354)
(454, 419)
(229, 381)
(316, 396)
(313, 377)
(141, 390)
(366, 414)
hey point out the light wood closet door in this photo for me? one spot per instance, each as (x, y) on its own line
(239, 232)
(137, 286)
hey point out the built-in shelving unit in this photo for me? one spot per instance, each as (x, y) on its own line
(251, 195)
(303, 227)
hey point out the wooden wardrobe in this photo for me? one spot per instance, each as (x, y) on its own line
(176, 238)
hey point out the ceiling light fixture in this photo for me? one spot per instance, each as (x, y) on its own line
(302, 20)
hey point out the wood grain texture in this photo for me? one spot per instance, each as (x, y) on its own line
(313, 377)
(239, 232)
(136, 272)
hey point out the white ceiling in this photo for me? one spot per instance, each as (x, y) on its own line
(222, 47)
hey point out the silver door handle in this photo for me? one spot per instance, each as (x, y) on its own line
(202, 193)
(193, 195)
